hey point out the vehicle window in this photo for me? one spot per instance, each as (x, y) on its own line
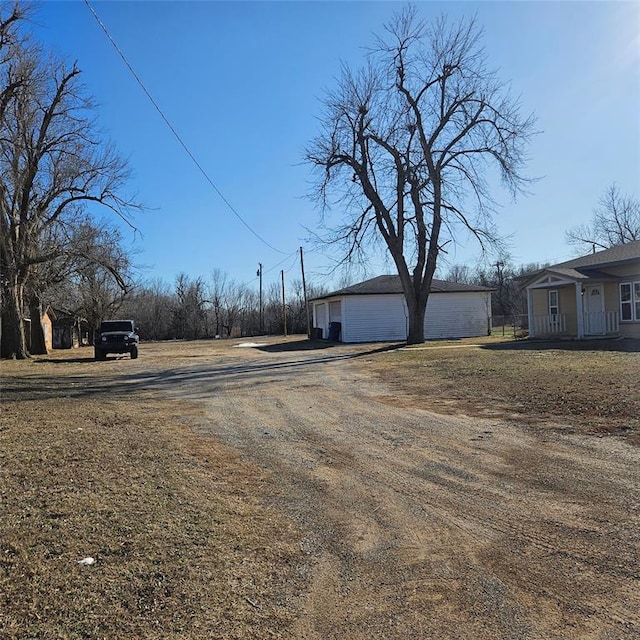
(116, 325)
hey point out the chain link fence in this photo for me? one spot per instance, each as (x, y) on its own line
(516, 326)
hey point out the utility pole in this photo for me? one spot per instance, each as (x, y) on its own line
(284, 306)
(304, 290)
(260, 320)
(502, 302)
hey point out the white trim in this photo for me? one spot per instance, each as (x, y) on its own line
(631, 302)
(556, 306)
(551, 284)
(532, 331)
(579, 312)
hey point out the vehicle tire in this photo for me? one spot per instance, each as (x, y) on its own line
(100, 355)
(134, 353)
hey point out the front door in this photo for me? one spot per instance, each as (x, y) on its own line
(594, 321)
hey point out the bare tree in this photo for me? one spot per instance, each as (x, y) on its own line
(189, 313)
(103, 272)
(14, 74)
(616, 220)
(405, 144)
(89, 279)
(233, 301)
(503, 277)
(53, 164)
(460, 273)
(217, 291)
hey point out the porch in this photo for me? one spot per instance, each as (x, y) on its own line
(576, 308)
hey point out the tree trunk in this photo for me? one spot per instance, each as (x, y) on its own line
(14, 344)
(38, 346)
(416, 310)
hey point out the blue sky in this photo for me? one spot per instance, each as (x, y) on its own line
(241, 83)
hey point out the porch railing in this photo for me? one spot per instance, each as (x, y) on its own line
(552, 324)
(594, 323)
(601, 322)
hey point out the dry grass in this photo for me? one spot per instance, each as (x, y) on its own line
(589, 386)
(183, 546)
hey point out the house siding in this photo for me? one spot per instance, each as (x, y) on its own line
(457, 315)
(630, 330)
(374, 318)
(47, 328)
(611, 296)
(566, 305)
(541, 302)
(567, 298)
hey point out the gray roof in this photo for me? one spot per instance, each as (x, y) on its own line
(627, 252)
(382, 285)
(591, 265)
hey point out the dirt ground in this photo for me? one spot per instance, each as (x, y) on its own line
(411, 524)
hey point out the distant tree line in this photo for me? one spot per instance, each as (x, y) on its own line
(190, 308)
(194, 308)
(508, 298)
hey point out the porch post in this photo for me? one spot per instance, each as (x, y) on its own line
(532, 333)
(579, 312)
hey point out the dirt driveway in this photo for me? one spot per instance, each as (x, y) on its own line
(419, 525)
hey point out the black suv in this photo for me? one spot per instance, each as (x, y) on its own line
(116, 336)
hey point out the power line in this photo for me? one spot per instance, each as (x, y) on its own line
(275, 266)
(175, 133)
(293, 264)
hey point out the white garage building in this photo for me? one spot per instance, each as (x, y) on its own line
(375, 310)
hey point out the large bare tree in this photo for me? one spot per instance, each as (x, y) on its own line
(405, 146)
(616, 220)
(54, 165)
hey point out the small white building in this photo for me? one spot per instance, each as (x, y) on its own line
(376, 311)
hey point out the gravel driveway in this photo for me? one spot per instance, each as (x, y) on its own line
(420, 525)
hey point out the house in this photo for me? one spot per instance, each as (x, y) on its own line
(46, 322)
(376, 310)
(60, 330)
(69, 330)
(594, 295)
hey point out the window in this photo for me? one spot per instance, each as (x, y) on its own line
(630, 301)
(553, 303)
